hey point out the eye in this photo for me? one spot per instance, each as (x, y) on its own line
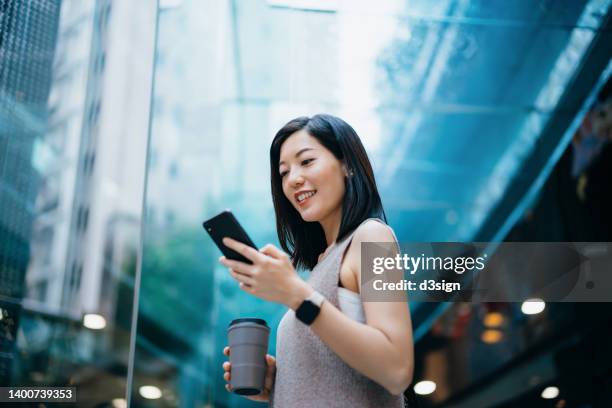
(283, 173)
(306, 161)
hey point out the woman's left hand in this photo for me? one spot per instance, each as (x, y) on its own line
(271, 277)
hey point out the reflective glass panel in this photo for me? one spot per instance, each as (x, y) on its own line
(445, 115)
(74, 109)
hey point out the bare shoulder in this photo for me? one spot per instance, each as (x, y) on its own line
(373, 231)
(369, 231)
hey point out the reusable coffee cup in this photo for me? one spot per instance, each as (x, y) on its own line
(248, 342)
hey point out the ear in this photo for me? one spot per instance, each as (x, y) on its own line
(344, 170)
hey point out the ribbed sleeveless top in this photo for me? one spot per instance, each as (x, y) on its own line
(308, 373)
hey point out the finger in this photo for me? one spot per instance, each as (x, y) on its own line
(227, 376)
(226, 351)
(243, 279)
(238, 266)
(270, 370)
(250, 253)
(271, 367)
(270, 360)
(240, 274)
(273, 251)
(268, 383)
(228, 387)
(246, 288)
(227, 366)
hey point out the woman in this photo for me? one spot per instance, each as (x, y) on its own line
(332, 349)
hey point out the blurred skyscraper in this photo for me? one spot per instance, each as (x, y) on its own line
(74, 110)
(28, 31)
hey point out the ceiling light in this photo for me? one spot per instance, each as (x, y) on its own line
(533, 306)
(493, 319)
(550, 393)
(491, 336)
(150, 392)
(119, 403)
(94, 321)
(425, 387)
(37, 376)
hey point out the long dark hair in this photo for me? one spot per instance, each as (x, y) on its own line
(303, 240)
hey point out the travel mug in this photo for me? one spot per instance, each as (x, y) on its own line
(248, 342)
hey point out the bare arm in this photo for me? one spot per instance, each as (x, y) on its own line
(381, 349)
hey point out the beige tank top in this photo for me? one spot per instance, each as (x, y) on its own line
(308, 373)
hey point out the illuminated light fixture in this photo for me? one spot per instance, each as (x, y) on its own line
(1, 313)
(326, 6)
(491, 336)
(493, 319)
(550, 393)
(37, 376)
(533, 306)
(425, 387)
(94, 321)
(119, 403)
(150, 392)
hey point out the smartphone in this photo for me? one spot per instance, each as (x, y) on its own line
(223, 225)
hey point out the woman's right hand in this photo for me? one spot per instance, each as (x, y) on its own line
(268, 382)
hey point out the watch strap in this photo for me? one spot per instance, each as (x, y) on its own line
(316, 298)
(310, 308)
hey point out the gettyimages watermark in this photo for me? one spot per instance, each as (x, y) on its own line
(486, 272)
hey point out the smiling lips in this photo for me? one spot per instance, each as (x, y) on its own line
(303, 196)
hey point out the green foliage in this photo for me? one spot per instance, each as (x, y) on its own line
(177, 281)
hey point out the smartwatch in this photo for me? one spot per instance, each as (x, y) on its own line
(310, 308)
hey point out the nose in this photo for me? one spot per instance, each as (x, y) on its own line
(295, 178)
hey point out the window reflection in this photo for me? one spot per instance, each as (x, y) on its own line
(446, 117)
(72, 155)
(436, 103)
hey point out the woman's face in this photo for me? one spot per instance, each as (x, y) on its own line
(312, 177)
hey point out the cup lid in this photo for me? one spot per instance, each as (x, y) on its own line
(248, 320)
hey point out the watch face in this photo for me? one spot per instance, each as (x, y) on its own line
(307, 312)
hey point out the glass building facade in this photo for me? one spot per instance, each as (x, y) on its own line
(74, 108)
(123, 125)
